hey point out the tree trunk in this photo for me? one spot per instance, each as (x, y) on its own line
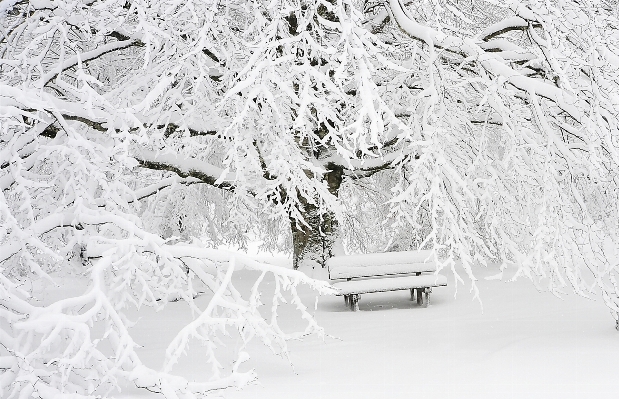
(313, 241)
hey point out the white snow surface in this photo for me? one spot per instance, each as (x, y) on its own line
(524, 344)
(389, 284)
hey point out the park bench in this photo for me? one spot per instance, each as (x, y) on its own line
(380, 272)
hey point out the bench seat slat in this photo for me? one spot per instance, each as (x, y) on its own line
(389, 284)
(344, 272)
(386, 258)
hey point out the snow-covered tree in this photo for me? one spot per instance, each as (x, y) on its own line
(131, 128)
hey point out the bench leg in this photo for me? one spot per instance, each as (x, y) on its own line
(412, 294)
(347, 300)
(428, 291)
(354, 302)
(423, 296)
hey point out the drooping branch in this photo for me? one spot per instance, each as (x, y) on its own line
(489, 61)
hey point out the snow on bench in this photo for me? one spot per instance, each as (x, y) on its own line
(392, 271)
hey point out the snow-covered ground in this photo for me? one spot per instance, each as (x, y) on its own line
(525, 344)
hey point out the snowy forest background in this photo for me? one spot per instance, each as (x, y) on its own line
(136, 137)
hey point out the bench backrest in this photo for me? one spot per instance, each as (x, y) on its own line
(380, 264)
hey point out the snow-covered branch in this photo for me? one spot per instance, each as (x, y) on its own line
(491, 62)
(135, 138)
(184, 167)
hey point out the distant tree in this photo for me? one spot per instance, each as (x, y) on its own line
(485, 130)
